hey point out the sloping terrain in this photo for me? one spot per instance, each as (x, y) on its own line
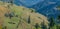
(3, 10)
(16, 17)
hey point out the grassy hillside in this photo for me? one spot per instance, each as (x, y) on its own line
(16, 17)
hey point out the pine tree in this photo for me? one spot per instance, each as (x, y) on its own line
(36, 25)
(58, 27)
(11, 1)
(43, 25)
(52, 23)
(29, 20)
(58, 17)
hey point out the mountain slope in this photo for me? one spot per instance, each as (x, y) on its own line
(17, 16)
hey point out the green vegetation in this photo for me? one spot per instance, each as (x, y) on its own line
(58, 17)
(53, 25)
(52, 22)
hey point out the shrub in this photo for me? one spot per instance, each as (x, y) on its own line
(58, 27)
(6, 15)
(16, 16)
(11, 15)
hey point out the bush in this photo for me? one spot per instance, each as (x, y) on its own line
(16, 16)
(11, 15)
(58, 27)
(6, 15)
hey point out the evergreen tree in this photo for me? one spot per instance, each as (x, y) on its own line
(11, 1)
(43, 25)
(36, 25)
(58, 27)
(29, 20)
(58, 17)
(52, 23)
